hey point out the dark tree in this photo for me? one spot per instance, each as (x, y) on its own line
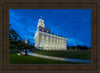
(78, 47)
(73, 47)
(84, 48)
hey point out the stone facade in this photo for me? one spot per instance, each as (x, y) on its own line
(46, 41)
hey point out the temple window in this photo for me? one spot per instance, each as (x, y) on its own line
(42, 45)
(42, 30)
(47, 38)
(54, 39)
(51, 39)
(42, 37)
(47, 46)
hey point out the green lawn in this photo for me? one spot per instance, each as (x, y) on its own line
(15, 59)
(76, 54)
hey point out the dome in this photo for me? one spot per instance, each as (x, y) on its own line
(40, 20)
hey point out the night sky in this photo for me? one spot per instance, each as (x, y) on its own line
(74, 24)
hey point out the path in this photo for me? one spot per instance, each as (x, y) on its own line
(60, 59)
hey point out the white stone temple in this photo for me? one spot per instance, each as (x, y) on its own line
(45, 40)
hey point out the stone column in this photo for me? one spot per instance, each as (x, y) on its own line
(50, 42)
(62, 44)
(66, 44)
(57, 44)
(54, 44)
(47, 42)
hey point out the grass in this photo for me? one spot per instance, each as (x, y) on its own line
(15, 59)
(76, 54)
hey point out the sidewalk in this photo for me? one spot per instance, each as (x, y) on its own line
(60, 59)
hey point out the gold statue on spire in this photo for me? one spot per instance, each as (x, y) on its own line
(40, 17)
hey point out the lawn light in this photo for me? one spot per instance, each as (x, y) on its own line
(26, 41)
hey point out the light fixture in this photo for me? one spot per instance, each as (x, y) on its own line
(26, 41)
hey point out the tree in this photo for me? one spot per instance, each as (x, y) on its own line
(15, 41)
(73, 47)
(84, 47)
(78, 47)
(13, 34)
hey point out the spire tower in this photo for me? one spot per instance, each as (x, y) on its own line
(41, 22)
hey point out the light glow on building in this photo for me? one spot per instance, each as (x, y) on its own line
(46, 40)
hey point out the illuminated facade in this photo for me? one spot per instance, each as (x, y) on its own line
(47, 41)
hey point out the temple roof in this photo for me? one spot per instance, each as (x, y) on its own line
(43, 29)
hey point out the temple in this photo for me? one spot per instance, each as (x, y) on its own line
(45, 40)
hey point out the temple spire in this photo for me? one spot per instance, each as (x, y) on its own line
(40, 17)
(41, 22)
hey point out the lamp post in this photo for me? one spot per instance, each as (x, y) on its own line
(26, 41)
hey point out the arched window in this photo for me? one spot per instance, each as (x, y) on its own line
(47, 38)
(42, 37)
(42, 45)
(46, 45)
(51, 39)
(54, 39)
(57, 40)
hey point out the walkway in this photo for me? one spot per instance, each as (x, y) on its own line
(60, 59)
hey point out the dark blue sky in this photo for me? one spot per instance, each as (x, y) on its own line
(74, 24)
